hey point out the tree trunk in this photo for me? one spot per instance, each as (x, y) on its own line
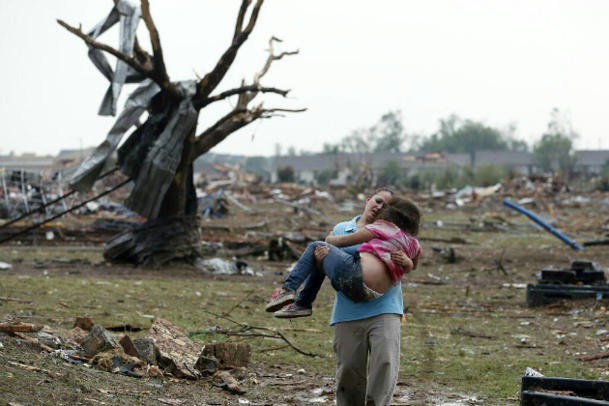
(157, 242)
(174, 235)
(181, 197)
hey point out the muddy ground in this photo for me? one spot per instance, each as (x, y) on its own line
(468, 334)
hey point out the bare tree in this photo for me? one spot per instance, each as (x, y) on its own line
(158, 154)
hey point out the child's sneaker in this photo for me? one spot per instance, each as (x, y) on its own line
(292, 311)
(280, 298)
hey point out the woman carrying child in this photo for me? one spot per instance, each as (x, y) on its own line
(371, 272)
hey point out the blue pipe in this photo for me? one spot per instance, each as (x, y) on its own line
(544, 224)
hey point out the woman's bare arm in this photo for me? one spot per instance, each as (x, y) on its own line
(401, 259)
(346, 240)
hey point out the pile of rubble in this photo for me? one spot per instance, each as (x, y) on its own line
(165, 351)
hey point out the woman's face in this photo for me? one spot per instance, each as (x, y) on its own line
(375, 204)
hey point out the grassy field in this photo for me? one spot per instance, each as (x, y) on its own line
(468, 335)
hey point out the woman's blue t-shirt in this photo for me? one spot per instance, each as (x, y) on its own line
(347, 310)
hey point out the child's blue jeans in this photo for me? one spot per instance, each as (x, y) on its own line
(343, 270)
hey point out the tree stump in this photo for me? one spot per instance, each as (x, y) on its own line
(157, 242)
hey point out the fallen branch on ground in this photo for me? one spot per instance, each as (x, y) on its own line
(15, 299)
(281, 347)
(247, 295)
(23, 327)
(301, 382)
(595, 356)
(246, 331)
(462, 332)
(35, 369)
(34, 341)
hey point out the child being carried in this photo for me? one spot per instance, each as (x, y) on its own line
(365, 276)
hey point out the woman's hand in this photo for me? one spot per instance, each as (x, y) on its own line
(400, 259)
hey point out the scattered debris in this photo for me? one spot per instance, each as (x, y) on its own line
(36, 369)
(84, 322)
(541, 390)
(247, 330)
(98, 340)
(467, 333)
(147, 350)
(544, 225)
(116, 361)
(226, 381)
(19, 327)
(223, 267)
(177, 353)
(595, 243)
(229, 355)
(14, 299)
(166, 351)
(584, 280)
(447, 253)
(581, 272)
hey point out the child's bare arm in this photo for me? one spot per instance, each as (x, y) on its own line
(346, 240)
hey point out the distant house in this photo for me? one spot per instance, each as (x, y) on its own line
(308, 167)
(205, 162)
(517, 161)
(26, 162)
(67, 161)
(591, 162)
(67, 157)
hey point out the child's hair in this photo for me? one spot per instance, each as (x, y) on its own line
(403, 213)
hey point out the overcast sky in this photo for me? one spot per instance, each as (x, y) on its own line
(499, 62)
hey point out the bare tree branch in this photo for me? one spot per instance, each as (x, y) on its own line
(145, 70)
(218, 132)
(211, 80)
(272, 57)
(245, 98)
(242, 10)
(253, 19)
(244, 89)
(141, 55)
(266, 111)
(246, 328)
(155, 41)
(231, 122)
(241, 115)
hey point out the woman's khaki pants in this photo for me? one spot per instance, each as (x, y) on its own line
(367, 360)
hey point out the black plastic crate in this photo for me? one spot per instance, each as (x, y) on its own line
(538, 391)
(542, 294)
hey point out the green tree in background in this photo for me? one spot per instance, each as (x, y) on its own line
(386, 135)
(257, 165)
(487, 175)
(604, 178)
(391, 174)
(360, 141)
(323, 177)
(466, 136)
(451, 177)
(389, 132)
(330, 149)
(286, 174)
(554, 151)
